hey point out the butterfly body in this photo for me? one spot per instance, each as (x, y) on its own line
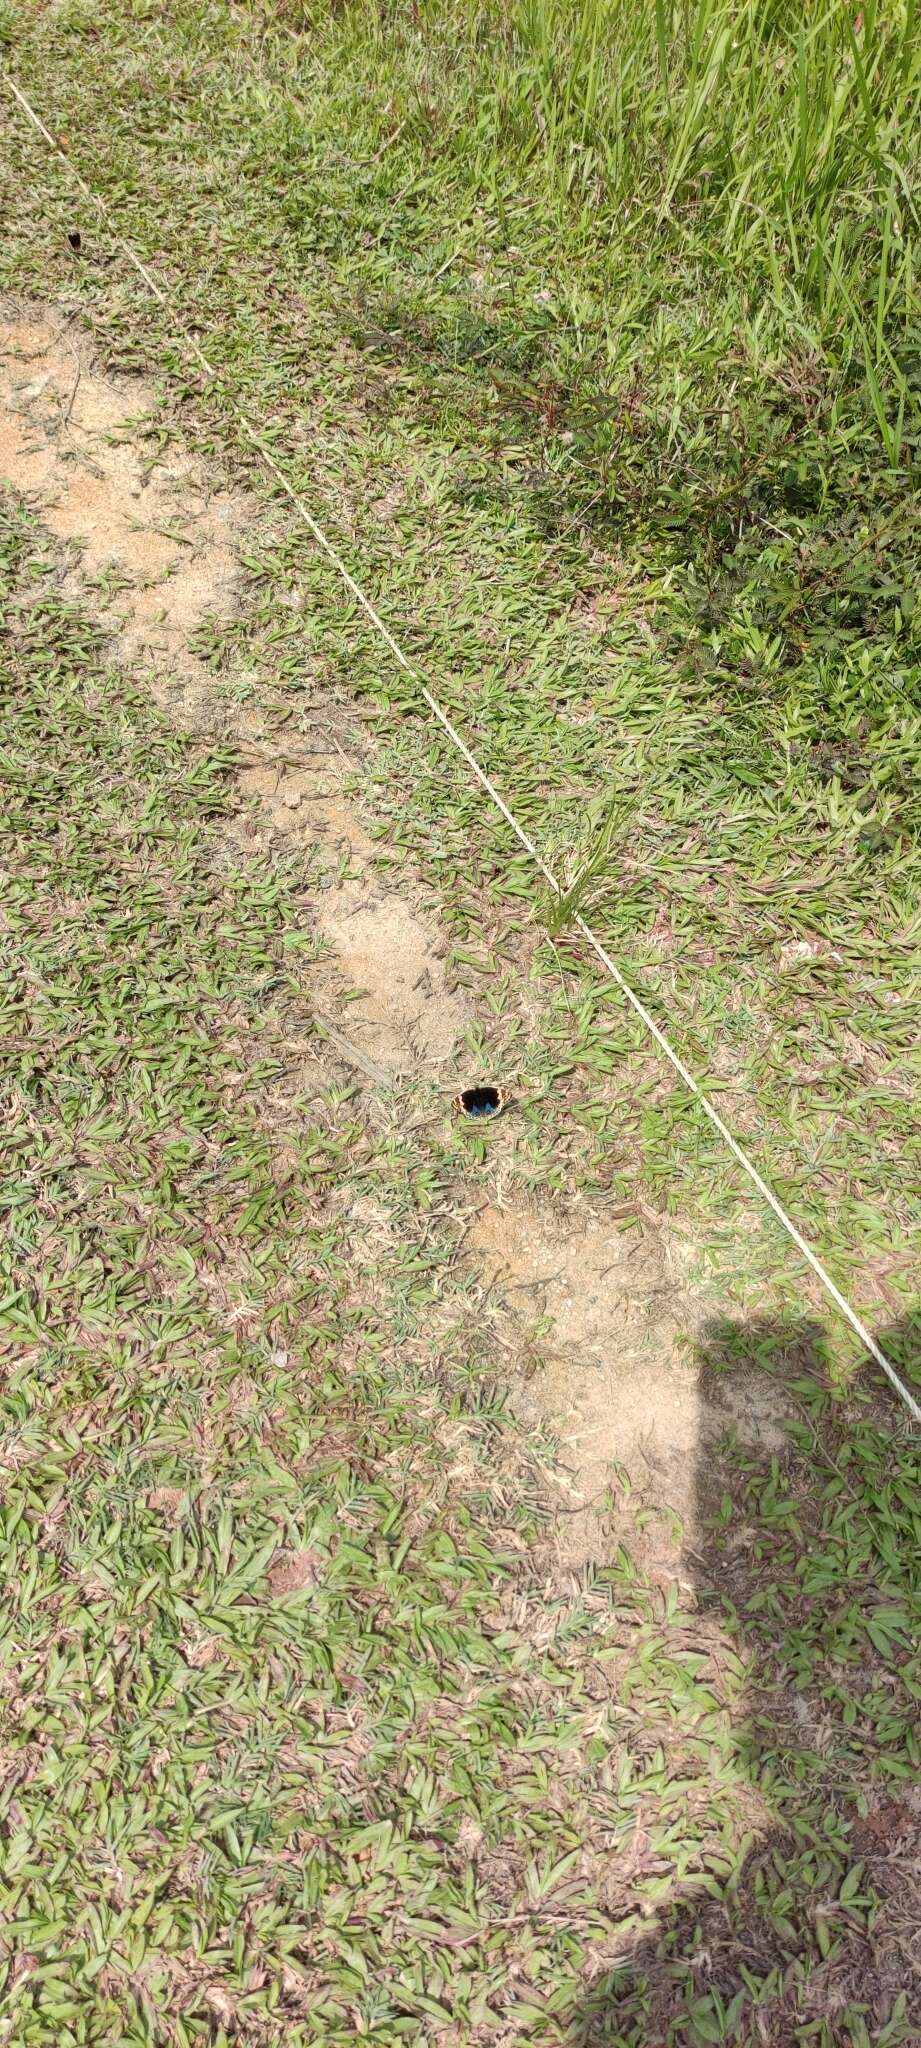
(481, 1102)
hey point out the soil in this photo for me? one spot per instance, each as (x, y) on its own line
(607, 1318)
(157, 542)
(155, 539)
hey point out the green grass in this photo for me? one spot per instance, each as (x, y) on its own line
(591, 333)
(637, 520)
(306, 1734)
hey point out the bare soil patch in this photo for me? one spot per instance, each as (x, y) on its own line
(155, 537)
(608, 1319)
(158, 543)
(385, 951)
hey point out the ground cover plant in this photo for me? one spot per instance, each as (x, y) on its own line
(591, 333)
(646, 522)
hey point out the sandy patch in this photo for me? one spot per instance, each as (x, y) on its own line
(156, 539)
(606, 1319)
(156, 547)
(305, 796)
(385, 953)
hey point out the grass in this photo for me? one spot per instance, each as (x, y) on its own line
(637, 522)
(592, 334)
(306, 1733)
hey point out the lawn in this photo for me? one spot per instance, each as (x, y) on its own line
(593, 343)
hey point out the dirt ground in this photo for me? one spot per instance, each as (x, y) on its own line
(594, 1324)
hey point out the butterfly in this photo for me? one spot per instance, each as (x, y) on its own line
(483, 1101)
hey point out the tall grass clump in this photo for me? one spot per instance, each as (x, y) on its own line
(752, 151)
(779, 145)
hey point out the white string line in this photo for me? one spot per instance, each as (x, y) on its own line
(665, 1046)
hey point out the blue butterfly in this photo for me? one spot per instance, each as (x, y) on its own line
(482, 1101)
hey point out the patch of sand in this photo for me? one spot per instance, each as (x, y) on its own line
(384, 951)
(605, 1314)
(309, 797)
(155, 539)
(158, 545)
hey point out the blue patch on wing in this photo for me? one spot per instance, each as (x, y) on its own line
(480, 1102)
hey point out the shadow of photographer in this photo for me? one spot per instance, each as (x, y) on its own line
(809, 1560)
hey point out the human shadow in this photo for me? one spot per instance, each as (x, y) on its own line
(805, 1560)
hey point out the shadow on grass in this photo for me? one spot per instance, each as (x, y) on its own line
(812, 1562)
